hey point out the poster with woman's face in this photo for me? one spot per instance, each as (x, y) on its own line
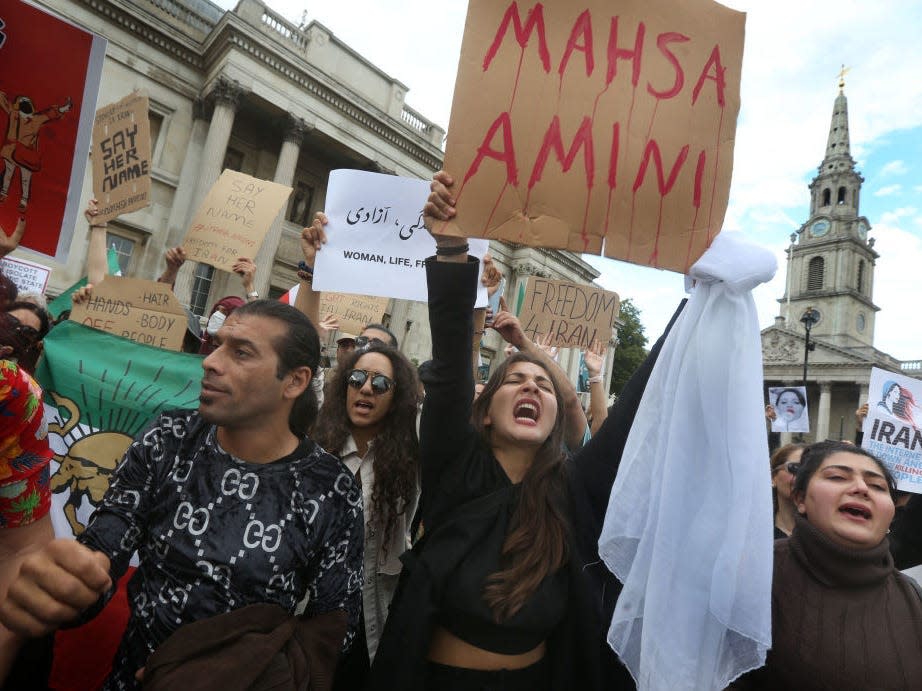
(790, 404)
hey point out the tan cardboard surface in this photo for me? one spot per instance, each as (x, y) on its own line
(574, 122)
(573, 315)
(142, 311)
(233, 219)
(353, 311)
(121, 156)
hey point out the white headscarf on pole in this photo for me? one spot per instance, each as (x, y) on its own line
(689, 523)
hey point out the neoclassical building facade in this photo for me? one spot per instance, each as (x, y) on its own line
(830, 275)
(248, 90)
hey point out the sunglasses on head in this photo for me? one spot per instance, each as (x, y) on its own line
(364, 342)
(379, 383)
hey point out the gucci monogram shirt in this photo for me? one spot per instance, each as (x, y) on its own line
(215, 533)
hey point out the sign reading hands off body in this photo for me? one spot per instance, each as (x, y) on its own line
(145, 312)
(233, 219)
(597, 127)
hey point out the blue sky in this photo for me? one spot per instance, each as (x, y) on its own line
(794, 49)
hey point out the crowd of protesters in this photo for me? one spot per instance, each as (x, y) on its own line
(379, 527)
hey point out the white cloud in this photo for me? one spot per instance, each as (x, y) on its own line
(894, 168)
(888, 191)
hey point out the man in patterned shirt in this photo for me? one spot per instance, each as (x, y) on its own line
(228, 506)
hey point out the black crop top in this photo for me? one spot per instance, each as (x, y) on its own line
(464, 612)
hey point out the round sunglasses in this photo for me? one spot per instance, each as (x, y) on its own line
(379, 383)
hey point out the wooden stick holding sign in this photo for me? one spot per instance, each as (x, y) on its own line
(121, 157)
(233, 219)
(570, 315)
(596, 127)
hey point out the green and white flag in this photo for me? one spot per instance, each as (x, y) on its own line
(101, 390)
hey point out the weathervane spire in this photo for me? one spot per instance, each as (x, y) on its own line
(842, 72)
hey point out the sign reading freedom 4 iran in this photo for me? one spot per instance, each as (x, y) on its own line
(597, 127)
(891, 431)
(376, 241)
(569, 314)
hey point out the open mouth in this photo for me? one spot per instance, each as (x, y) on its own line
(363, 405)
(856, 511)
(526, 412)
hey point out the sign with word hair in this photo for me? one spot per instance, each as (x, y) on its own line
(598, 127)
(891, 430)
(121, 156)
(567, 315)
(145, 312)
(376, 241)
(232, 221)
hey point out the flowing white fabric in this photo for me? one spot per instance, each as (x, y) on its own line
(689, 523)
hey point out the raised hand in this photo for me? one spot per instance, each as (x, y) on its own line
(313, 238)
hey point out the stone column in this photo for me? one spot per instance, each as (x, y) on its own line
(295, 129)
(863, 393)
(226, 95)
(822, 415)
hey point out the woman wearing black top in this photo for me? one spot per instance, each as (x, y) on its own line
(505, 588)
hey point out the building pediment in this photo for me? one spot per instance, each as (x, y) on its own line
(783, 347)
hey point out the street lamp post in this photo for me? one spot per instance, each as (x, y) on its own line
(809, 318)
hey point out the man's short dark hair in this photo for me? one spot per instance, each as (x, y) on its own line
(299, 347)
(381, 327)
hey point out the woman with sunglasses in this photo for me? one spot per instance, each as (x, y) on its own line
(368, 418)
(504, 589)
(784, 469)
(842, 616)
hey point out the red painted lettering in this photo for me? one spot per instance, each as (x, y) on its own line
(581, 27)
(613, 159)
(699, 176)
(553, 141)
(652, 150)
(533, 23)
(615, 53)
(507, 154)
(662, 42)
(718, 77)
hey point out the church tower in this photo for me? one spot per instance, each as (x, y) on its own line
(831, 265)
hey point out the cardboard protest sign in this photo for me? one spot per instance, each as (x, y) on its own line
(376, 241)
(353, 312)
(48, 87)
(29, 277)
(233, 219)
(570, 314)
(121, 156)
(596, 127)
(790, 404)
(891, 431)
(145, 312)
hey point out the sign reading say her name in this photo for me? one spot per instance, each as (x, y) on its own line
(570, 314)
(145, 312)
(376, 241)
(121, 156)
(597, 127)
(891, 429)
(233, 219)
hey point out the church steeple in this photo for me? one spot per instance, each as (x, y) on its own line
(832, 265)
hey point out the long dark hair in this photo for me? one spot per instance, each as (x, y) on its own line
(396, 444)
(299, 347)
(814, 455)
(536, 544)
